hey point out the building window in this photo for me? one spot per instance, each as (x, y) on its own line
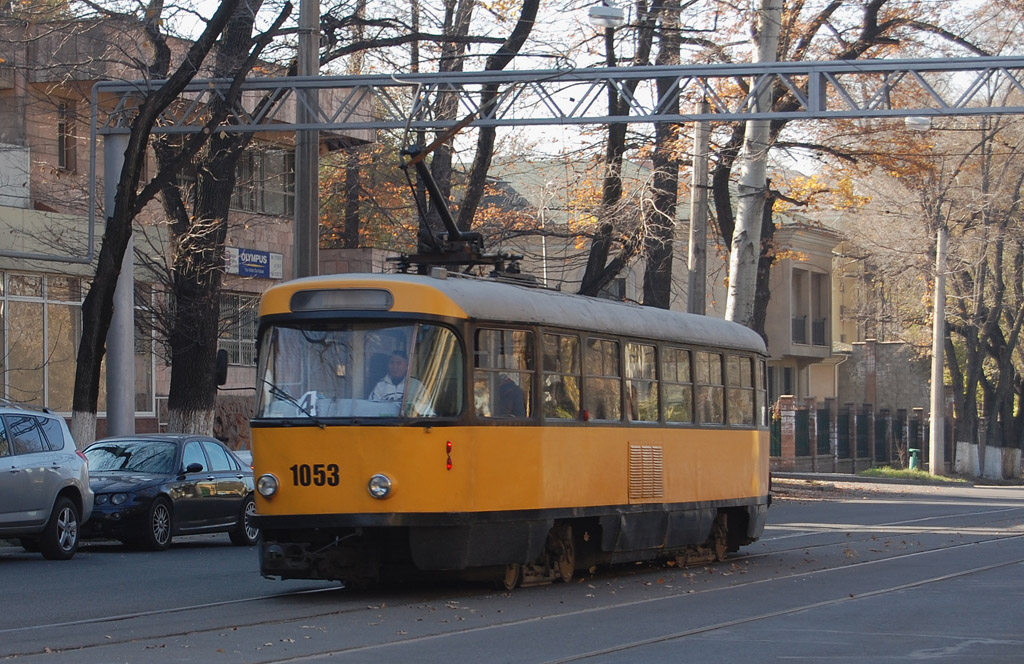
(145, 351)
(265, 182)
(238, 314)
(614, 290)
(40, 328)
(66, 153)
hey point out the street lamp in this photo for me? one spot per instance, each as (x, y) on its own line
(936, 419)
(609, 17)
(606, 15)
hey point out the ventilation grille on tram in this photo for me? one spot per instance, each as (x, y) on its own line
(645, 472)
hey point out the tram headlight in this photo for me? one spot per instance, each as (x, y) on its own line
(267, 485)
(379, 486)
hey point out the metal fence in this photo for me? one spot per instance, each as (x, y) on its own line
(848, 438)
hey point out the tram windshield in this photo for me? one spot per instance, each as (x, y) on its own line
(359, 370)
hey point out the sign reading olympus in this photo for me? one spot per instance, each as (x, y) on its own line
(254, 263)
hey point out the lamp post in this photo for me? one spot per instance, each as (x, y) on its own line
(936, 418)
(545, 197)
(306, 224)
(609, 17)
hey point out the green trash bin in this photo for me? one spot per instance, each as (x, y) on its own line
(915, 458)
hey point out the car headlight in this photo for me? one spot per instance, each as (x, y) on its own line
(267, 485)
(112, 498)
(379, 486)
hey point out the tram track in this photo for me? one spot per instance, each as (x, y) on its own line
(625, 647)
(384, 647)
(359, 606)
(804, 530)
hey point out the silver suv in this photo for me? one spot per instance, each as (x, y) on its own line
(44, 482)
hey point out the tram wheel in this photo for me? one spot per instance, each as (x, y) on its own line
(513, 576)
(565, 562)
(720, 538)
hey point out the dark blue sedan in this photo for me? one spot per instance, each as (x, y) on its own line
(151, 487)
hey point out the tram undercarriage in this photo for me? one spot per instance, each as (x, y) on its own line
(510, 553)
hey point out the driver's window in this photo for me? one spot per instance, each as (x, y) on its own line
(193, 454)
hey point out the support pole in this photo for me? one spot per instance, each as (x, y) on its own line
(696, 291)
(937, 421)
(121, 338)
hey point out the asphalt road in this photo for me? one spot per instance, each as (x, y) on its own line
(847, 573)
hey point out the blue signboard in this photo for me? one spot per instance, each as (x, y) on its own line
(254, 263)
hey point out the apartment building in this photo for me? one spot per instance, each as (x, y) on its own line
(47, 72)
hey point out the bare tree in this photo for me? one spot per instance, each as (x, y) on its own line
(97, 308)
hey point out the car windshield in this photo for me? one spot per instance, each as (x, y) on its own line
(132, 455)
(359, 370)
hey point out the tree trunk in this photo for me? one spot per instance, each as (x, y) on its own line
(764, 266)
(746, 237)
(661, 227)
(485, 140)
(457, 18)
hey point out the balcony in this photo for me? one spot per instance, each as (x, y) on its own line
(800, 329)
(818, 329)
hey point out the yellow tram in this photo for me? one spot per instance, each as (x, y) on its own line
(409, 423)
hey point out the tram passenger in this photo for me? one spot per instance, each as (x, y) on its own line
(511, 401)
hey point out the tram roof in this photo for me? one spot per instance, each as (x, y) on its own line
(486, 299)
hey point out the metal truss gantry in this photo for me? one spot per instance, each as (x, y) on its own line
(820, 90)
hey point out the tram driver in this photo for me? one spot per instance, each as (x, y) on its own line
(393, 385)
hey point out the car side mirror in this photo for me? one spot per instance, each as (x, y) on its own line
(221, 369)
(194, 468)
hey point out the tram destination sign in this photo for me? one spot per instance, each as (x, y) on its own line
(253, 263)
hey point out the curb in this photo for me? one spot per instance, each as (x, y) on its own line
(858, 479)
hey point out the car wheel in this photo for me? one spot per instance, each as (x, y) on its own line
(158, 526)
(59, 539)
(246, 534)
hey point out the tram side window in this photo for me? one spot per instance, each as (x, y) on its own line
(641, 383)
(740, 390)
(503, 378)
(677, 385)
(561, 371)
(762, 393)
(602, 380)
(709, 388)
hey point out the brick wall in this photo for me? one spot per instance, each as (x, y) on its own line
(886, 374)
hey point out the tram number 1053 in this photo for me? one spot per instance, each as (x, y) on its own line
(318, 474)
